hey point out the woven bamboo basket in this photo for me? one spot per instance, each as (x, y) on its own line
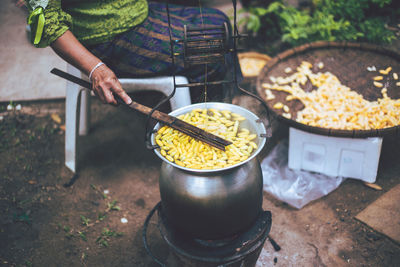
(350, 63)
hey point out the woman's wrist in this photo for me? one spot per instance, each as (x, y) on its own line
(72, 51)
(94, 68)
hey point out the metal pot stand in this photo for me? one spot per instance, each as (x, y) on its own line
(242, 249)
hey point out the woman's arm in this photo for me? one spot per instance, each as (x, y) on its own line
(105, 83)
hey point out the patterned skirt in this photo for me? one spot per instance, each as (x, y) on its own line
(145, 50)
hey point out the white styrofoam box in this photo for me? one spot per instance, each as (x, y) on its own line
(335, 156)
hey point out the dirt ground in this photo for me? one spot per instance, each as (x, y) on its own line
(45, 221)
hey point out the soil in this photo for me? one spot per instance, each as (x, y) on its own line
(51, 217)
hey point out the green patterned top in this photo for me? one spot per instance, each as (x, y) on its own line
(91, 21)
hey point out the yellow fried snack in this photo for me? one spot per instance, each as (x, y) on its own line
(188, 152)
(334, 105)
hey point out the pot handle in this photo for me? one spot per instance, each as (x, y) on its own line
(148, 131)
(147, 140)
(269, 126)
(144, 234)
(268, 131)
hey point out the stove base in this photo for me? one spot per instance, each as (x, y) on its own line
(249, 260)
(240, 250)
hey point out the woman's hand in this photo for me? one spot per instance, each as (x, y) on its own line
(106, 84)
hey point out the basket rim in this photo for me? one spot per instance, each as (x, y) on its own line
(254, 54)
(323, 45)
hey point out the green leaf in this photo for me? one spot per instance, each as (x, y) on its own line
(82, 236)
(85, 221)
(275, 6)
(104, 243)
(101, 216)
(253, 23)
(260, 11)
(107, 232)
(113, 205)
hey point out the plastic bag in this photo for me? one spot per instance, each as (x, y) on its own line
(295, 187)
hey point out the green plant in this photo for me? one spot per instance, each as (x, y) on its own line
(112, 206)
(68, 232)
(101, 216)
(331, 20)
(104, 195)
(106, 234)
(85, 221)
(82, 235)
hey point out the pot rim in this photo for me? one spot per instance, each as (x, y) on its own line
(254, 124)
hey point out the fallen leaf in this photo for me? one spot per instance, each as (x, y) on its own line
(55, 117)
(32, 182)
(373, 186)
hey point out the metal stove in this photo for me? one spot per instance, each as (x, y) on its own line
(242, 249)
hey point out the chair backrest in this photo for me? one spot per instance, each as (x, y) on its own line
(164, 84)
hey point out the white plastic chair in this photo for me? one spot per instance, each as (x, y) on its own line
(79, 113)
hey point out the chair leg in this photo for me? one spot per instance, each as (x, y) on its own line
(71, 117)
(84, 114)
(182, 94)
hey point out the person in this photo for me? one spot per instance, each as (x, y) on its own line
(125, 38)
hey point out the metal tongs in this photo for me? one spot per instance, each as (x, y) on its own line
(162, 117)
